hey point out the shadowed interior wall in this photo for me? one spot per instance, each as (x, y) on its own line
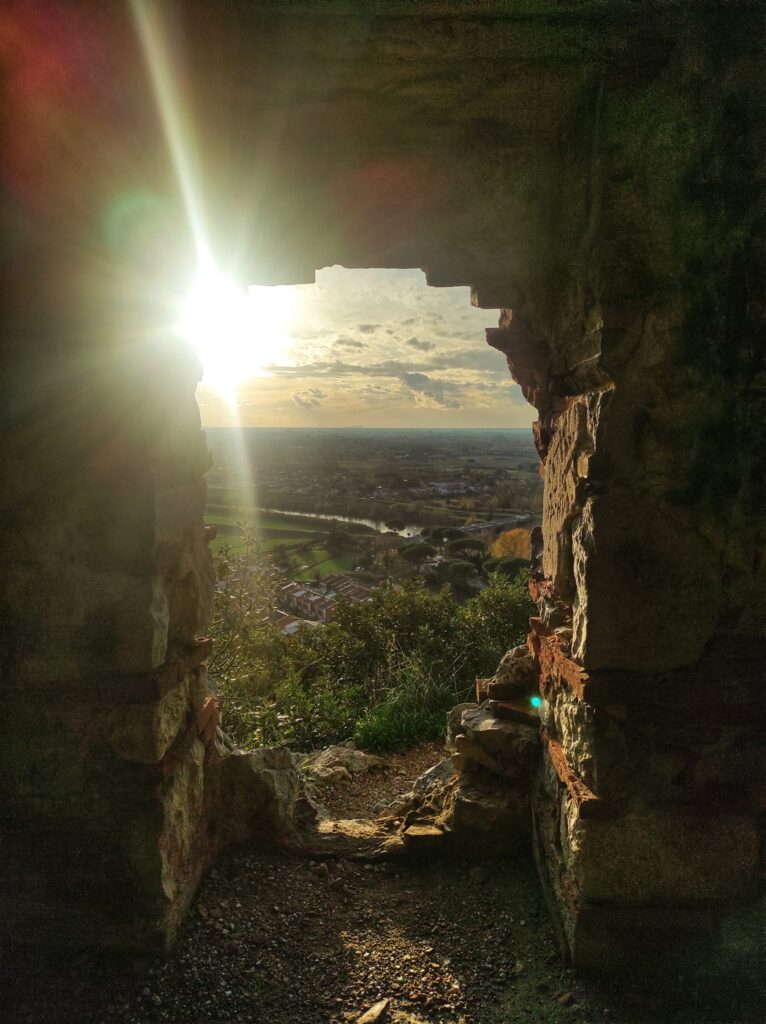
(593, 172)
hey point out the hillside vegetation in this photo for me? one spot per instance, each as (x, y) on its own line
(383, 672)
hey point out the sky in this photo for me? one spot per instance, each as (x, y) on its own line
(365, 348)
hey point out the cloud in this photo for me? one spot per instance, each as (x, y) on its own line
(309, 398)
(367, 328)
(483, 360)
(349, 343)
(421, 346)
(373, 391)
(430, 393)
(482, 357)
(339, 368)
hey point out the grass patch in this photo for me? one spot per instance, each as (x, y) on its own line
(413, 708)
(319, 560)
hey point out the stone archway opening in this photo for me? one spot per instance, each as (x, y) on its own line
(595, 176)
(390, 361)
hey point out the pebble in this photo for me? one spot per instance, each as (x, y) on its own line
(376, 1013)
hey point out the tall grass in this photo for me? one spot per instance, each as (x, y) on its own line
(412, 706)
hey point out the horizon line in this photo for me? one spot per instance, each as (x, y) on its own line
(436, 429)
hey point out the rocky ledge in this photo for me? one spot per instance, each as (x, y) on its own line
(478, 798)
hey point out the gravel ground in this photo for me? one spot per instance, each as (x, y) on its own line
(272, 940)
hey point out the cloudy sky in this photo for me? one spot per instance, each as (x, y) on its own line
(376, 348)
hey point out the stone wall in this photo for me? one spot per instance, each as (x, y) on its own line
(592, 170)
(107, 722)
(648, 577)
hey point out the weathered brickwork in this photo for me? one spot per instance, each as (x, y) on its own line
(591, 170)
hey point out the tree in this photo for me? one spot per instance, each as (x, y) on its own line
(417, 553)
(279, 554)
(395, 524)
(465, 544)
(458, 573)
(245, 602)
(510, 566)
(338, 540)
(384, 670)
(514, 543)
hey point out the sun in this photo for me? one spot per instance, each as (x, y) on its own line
(237, 332)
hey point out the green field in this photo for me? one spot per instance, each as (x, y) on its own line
(303, 540)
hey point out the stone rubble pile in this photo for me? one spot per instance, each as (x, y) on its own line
(336, 764)
(475, 800)
(478, 798)
(267, 797)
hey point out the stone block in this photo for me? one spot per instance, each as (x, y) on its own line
(181, 843)
(556, 766)
(55, 768)
(607, 937)
(572, 723)
(179, 508)
(145, 732)
(511, 745)
(423, 839)
(648, 587)
(512, 711)
(434, 778)
(470, 755)
(83, 620)
(564, 494)
(258, 792)
(483, 813)
(454, 723)
(516, 677)
(661, 857)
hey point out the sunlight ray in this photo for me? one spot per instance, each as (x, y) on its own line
(174, 121)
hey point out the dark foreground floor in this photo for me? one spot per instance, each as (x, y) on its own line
(273, 941)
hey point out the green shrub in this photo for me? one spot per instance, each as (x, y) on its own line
(412, 707)
(466, 544)
(384, 671)
(511, 565)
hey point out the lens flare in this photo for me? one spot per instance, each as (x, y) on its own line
(236, 332)
(536, 702)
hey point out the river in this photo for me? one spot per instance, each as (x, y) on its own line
(410, 529)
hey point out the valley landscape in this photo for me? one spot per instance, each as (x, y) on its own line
(318, 500)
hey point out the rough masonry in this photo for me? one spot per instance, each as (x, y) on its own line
(593, 171)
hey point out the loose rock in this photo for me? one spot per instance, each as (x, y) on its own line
(376, 1014)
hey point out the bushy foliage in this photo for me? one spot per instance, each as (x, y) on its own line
(384, 671)
(514, 543)
(466, 544)
(417, 553)
(246, 595)
(412, 707)
(511, 566)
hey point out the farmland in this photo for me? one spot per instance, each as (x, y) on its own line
(295, 541)
(320, 501)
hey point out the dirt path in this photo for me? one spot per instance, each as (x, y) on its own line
(272, 940)
(356, 798)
